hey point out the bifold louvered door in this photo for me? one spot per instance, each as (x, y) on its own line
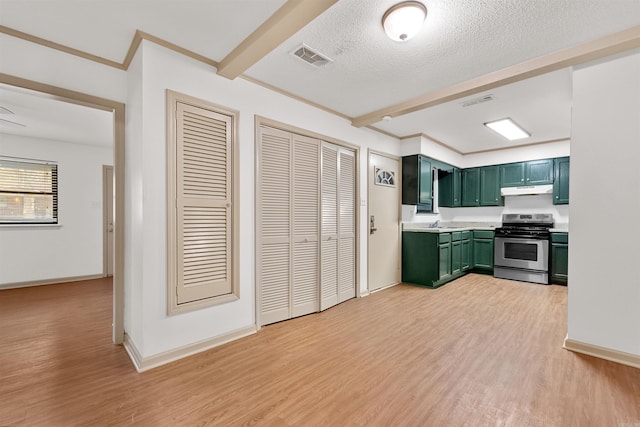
(203, 203)
(338, 209)
(329, 227)
(346, 225)
(274, 222)
(306, 225)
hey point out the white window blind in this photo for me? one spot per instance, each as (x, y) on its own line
(28, 192)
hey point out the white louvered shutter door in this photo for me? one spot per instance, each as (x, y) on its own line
(346, 221)
(329, 227)
(274, 272)
(306, 179)
(203, 203)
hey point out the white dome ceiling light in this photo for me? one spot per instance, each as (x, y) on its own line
(404, 20)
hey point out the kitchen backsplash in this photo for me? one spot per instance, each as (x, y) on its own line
(512, 204)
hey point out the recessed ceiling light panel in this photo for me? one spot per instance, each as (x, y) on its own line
(508, 129)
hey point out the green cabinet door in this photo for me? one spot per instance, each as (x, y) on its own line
(466, 260)
(450, 188)
(561, 181)
(444, 252)
(420, 258)
(417, 182)
(539, 172)
(512, 175)
(490, 186)
(559, 258)
(456, 257)
(425, 182)
(483, 250)
(471, 187)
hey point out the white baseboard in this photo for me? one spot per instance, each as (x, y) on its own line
(602, 352)
(54, 281)
(383, 288)
(145, 363)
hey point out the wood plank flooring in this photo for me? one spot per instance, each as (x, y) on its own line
(477, 352)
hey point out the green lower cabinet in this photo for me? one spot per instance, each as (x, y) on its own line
(483, 250)
(444, 255)
(456, 257)
(427, 258)
(559, 258)
(466, 250)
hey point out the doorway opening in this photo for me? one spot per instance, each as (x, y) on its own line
(118, 113)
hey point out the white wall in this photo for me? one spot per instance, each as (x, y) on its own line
(74, 249)
(160, 69)
(604, 278)
(518, 154)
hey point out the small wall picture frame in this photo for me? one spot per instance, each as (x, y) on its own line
(384, 177)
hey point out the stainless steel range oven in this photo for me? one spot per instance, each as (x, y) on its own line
(522, 247)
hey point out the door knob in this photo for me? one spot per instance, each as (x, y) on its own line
(372, 225)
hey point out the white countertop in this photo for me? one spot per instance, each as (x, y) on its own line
(447, 227)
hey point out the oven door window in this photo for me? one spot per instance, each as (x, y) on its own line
(521, 251)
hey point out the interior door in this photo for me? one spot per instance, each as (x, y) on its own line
(329, 227)
(108, 203)
(384, 221)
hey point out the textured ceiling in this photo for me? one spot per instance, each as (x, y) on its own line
(461, 40)
(542, 105)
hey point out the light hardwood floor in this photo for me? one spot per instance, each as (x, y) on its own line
(477, 352)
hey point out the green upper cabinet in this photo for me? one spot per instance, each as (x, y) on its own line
(417, 182)
(490, 186)
(561, 181)
(481, 187)
(450, 188)
(535, 172)
(425, 186)
(471, 187)
(538, 172)
(512, 175)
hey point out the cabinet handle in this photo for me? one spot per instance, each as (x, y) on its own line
(521, 179)
(556, 197)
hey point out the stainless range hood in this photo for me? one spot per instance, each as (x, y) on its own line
(527, 190)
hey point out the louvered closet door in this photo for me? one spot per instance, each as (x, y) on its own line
(305, 256)
(346, 224)
(274, 211)
(329, 227)
(203, 203)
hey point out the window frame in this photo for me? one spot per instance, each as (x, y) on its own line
(55, 193)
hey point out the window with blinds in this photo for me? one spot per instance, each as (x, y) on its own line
(28, 192)
(202, 211)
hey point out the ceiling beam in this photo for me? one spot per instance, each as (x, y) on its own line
(595, 49)
(288, 20)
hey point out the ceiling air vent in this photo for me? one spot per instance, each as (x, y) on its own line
(479, 100)
(311, 57)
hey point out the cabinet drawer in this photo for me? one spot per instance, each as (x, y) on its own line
(559, 237)
(444, 238)
(456, 236)
(466, 235)
(483, 234)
